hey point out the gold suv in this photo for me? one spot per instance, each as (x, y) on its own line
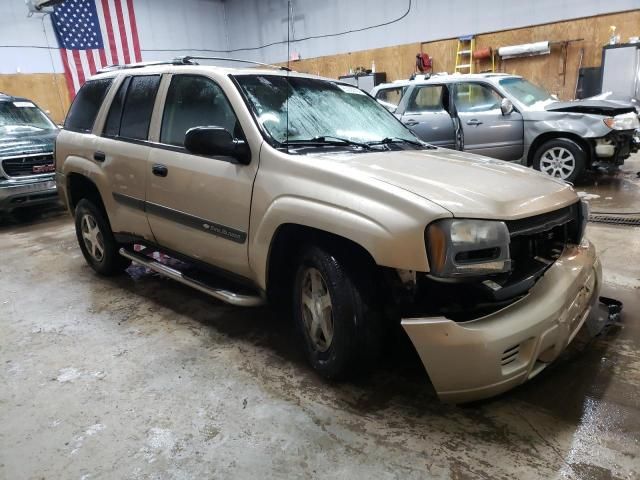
(264, 184)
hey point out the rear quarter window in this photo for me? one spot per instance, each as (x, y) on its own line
(84, 109)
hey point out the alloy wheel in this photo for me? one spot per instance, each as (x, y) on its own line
(317, 309)
(92, 237)
(558, 162)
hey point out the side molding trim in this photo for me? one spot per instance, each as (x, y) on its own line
(191, 221)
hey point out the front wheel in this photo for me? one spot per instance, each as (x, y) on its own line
(336, 313)
(560, 158)
(96, 240)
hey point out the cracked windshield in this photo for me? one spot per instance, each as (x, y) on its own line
(320, 111)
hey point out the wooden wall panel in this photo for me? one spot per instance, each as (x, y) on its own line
(398, 61)
(48, 90)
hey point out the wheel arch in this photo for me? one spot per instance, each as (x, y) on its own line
(577, 139)
(286, 244)
(79, 186)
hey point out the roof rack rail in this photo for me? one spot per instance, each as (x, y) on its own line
(186, 60)
(189, 60)
(175, 61)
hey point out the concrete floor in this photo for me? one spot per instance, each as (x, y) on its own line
(138, 377)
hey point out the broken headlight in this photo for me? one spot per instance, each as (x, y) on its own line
(625, 121)
(466, 247)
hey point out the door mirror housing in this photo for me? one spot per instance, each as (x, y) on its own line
(213, 141)
(506, 106)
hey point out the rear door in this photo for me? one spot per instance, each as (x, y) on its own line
(426, 114)
(485, 129)
(199, 205)
(123, 151)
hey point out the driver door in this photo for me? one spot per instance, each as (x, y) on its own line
(485, 129)
(199, 205)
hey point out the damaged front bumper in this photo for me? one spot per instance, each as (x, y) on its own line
(614, 148)
(481, 358)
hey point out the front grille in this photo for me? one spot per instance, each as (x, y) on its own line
(29, 165)
(540, 223)
(541, 239)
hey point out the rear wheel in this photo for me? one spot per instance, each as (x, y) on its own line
(560, 158)
(96, 240)
(336, 314)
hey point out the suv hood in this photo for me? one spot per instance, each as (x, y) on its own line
(467, 185)
(607, 108)
(14, 142)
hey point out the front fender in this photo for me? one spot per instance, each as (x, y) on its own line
(584, 126)
(397, 244)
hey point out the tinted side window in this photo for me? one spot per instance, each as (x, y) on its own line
(85, 107)
(112, 125)
(475, 97)
(426, 99)
(195, 101)
(138, 106)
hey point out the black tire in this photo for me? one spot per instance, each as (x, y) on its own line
(110, 262)
(356, 315)
(554, 147)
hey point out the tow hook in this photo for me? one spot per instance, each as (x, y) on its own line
(614, 307)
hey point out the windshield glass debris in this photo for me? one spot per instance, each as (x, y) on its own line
(319, 109)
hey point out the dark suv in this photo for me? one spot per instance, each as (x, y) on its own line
(27, 167)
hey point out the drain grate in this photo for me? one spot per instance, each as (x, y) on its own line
(632, 221)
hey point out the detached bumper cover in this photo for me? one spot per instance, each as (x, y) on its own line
(17, 194)
(484, 357)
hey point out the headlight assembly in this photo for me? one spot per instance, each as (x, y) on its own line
(625, 121)
(460, 248)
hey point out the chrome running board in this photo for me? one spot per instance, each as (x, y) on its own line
(219, 293)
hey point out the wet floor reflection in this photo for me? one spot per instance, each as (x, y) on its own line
(616, 192)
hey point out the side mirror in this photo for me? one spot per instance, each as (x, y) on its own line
(506, 106)
(216, 141)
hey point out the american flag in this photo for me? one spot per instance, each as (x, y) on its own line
(93, 34)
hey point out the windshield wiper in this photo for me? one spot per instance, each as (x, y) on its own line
(388, 140)
(327, 140)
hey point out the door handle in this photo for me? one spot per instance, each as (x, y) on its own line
(474, 121)
(159, 170)
(411, 122)
(99, 156)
